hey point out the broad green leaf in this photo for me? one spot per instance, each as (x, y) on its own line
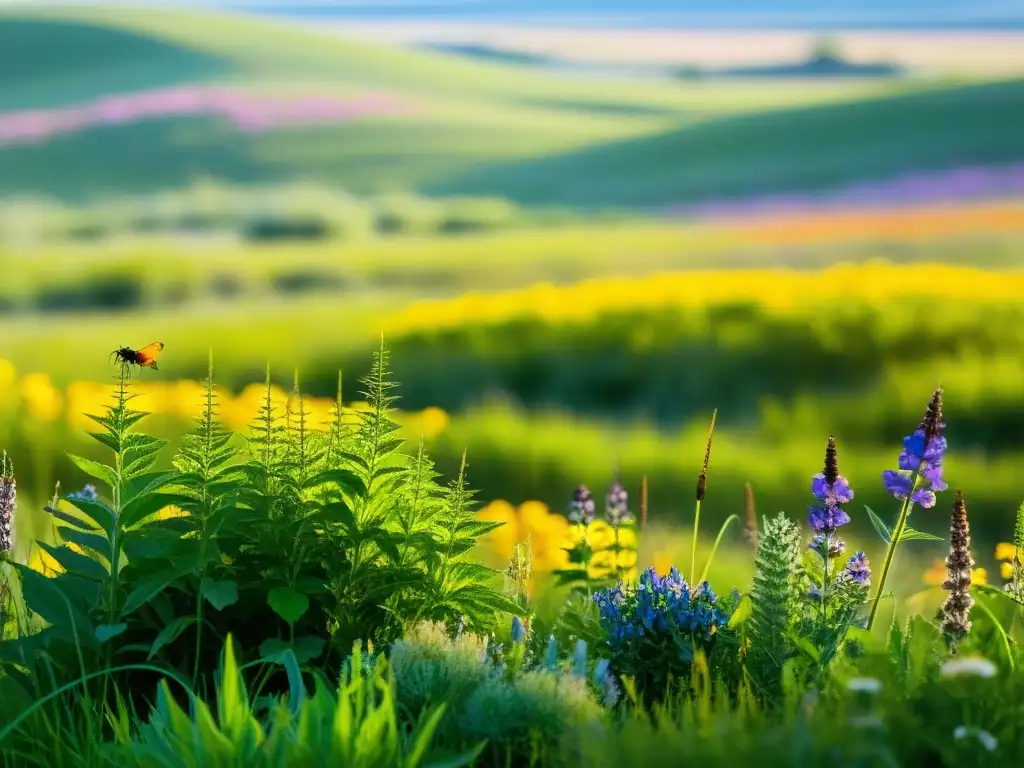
(287, 603)
(880, 527)
(306, 648)
(105, 632)
(141, 507)
(345, 478)
(48, 598)
(220, 594)
(742, 612)
(95, 469)
(148, 482)
(75, 563)
(93, 541)
(97, 511)
(909, 534)
(339, 512)
(170, 633)
(149, 588)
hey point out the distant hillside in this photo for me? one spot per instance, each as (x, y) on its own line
(454, 125)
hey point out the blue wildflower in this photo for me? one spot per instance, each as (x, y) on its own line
(88, 493)
(518, 631)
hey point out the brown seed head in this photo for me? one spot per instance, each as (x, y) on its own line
(932, 421)
(750, 528)
(702, 481)
(831, 462)
(956, 610)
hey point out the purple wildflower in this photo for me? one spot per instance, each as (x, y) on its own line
(616, 505)
(8, 497)
(858, 570)
(919, 476)
(832, 490)
(582, 508)
(835, 546)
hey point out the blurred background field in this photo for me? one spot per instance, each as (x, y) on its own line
(581, 228)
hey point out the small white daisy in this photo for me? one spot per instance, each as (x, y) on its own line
(976, 667)
(986, 739)
(864, 685)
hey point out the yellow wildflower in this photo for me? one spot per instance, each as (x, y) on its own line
(8, 376)
(42, 400)
(1005, 551)
(1006, 571)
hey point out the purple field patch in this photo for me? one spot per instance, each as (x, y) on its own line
(966, 183)
(248, 112)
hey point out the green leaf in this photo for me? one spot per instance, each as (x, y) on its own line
(148, 482)
(909, 534)
(149, 588)
(75, 563)
(306, 648)
(220, 594)
(880, 527)
(170, 633)
(339, 512)
(97, 511)
(106, 632)
(141, 507)
(47, 597)
(345, 478)
(95, 469)
(742, 613)
(93, 541)
(287, 603)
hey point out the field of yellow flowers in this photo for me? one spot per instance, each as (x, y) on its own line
(778, 291)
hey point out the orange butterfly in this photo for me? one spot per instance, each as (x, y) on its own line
(143, 358)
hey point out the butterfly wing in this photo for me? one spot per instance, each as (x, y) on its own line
(147, 355)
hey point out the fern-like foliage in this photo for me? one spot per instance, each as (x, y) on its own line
(459, 586)
(774, 598)
(210, 481)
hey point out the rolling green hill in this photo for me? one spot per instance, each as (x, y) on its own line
(468, 127)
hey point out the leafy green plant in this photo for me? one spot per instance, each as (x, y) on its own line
(357, 725)
(307, 541)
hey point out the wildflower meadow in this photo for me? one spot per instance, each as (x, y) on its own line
(619, 384)
(310, 589)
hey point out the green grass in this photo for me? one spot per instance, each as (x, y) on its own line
(535, 136)
(813, 147)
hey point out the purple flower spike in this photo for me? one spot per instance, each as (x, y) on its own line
(922, 454)
(837, 493)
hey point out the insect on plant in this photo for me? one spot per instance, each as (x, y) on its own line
(142, 358)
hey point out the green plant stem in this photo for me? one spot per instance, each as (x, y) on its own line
(894, 540)
(693, 551)
(714, 549)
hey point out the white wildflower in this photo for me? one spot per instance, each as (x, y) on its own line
(986, 739)
(864, 685)
(975, 667)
